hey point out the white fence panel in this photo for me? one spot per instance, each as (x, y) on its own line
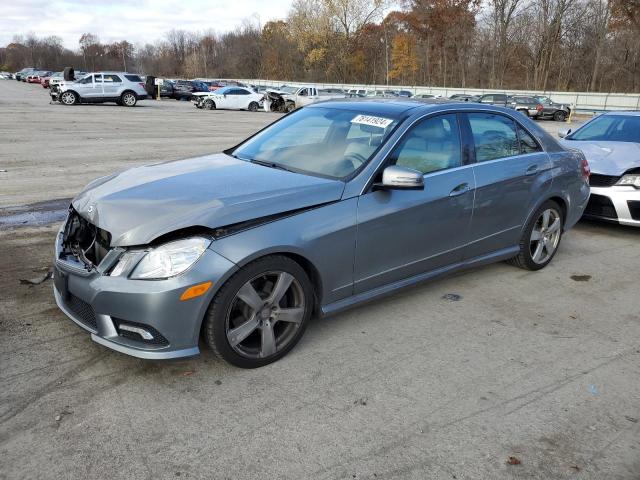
(582, 101)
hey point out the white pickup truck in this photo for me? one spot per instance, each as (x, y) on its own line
(288, 98)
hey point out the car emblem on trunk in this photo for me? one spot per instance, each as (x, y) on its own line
(90, 209)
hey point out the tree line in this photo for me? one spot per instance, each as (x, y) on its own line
(566, 45)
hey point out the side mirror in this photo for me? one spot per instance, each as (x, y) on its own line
(395, 177)
(563, 132)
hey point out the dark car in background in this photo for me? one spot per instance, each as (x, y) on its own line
(184, 89)
(553, 110)
(499, 99)
(527, 105)
(463, 97)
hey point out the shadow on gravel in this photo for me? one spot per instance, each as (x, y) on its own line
(41, 213)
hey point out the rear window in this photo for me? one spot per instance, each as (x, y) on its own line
(133, 78)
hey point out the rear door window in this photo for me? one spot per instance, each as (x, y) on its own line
(108, 78)
(133, 78)
(494, 136)
(528, 144)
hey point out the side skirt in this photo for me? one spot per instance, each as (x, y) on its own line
(340, 305)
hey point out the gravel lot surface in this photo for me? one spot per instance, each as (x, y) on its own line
(524, 376)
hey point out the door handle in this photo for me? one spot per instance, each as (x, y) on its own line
(459, 190)
(532, 170)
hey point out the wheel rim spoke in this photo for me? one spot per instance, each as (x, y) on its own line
(555, 226)
(249, 296)
(290, 315)
(545, 218)
(268, 345)
(238, 334)
(282, 285)
(536, 235)
(538, 252)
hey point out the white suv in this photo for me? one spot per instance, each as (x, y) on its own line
(120, 87)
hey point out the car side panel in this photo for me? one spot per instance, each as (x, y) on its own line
(325, 236)
(505, 195)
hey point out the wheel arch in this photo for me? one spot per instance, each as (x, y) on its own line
(307, 265)
(555, 197)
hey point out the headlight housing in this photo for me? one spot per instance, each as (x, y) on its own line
(165, 261)
(631, 179)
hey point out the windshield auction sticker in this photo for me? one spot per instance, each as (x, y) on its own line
(372, 121)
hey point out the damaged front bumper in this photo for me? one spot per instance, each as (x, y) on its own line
(142, 318)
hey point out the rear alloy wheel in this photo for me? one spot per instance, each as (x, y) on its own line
(260, 313)
(540, 238)
(253, 107)
(68, 98)
(128, 99)
(560, 116)
(209, 105)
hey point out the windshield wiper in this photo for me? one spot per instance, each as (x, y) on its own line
(272, 165)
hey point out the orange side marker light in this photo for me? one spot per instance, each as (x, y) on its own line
(195, 291)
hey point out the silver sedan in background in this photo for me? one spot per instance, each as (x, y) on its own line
(611, 143)
(332, 205)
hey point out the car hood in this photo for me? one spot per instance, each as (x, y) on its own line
(608, 158)
(143, 203)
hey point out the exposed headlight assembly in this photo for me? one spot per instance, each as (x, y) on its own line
(165, 261)
(632, 179)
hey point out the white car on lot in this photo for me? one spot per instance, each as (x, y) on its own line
(611, 143)
(123, 88)
(229, 98)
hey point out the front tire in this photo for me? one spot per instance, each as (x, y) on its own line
(541, 237)
(253, 107)
(209, 104)
(260, 313)
(128, 99)
(68, 98)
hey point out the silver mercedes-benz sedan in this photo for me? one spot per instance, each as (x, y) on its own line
(334, 204)
(611, 143)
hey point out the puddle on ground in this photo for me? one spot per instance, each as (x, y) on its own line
(35, 214)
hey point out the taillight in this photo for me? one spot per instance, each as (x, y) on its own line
(539, 108)
(585, 169)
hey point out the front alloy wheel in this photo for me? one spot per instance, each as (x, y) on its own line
(260, 313)
(68, 98)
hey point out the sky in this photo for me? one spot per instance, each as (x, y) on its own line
(138, 21)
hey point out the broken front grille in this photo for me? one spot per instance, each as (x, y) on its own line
(84, 241)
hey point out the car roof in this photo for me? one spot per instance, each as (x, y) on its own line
(398, 106)
(379, 106)
(626, 113)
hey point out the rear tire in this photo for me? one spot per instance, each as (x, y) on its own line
(540, 238)
(128, 99)
(560, 116)
(271, 323)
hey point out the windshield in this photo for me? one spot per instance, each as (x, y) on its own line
(286, 89)
(611, 128)
(320, 141)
